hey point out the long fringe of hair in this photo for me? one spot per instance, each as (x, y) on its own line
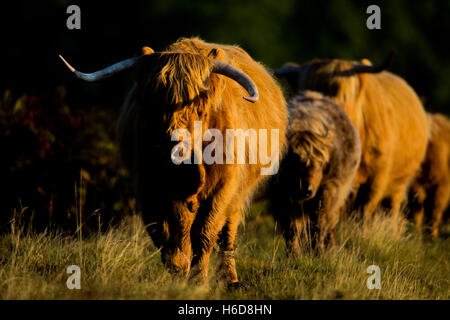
(310, 135)
(184, 76)
(189, 86)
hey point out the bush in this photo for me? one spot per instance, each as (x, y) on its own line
(59, 163)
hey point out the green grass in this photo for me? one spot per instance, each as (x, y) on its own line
(123, 264)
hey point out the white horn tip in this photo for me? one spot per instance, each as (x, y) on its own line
(67, 64)
(251, 99)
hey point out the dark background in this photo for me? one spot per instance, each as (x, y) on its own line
(55, 129)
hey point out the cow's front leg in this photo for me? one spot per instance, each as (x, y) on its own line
(376, 190)
(328, 216)
(204, 235)
(227, 245)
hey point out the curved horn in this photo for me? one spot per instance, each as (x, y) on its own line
(362, 68)
(240, 77)
(104, 73)
(286, 70)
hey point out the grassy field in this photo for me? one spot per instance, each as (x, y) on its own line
(123, 264)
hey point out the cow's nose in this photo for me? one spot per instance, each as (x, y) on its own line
(309, 192)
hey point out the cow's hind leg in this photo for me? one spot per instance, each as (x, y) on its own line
(328, 217)
(439, 204)
(416, 206)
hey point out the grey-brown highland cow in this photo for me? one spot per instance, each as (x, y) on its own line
(317, 173)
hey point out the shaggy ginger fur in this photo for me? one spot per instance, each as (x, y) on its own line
(430, 192)
(189, 207)
(390, 120)
(317, 173)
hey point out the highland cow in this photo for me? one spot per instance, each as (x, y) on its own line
(388, 115)
(316, 174)
(188, 207)
(430, 191)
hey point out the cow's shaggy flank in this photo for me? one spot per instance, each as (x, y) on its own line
(430, 192)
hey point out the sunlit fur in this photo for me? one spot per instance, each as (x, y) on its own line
(323, 156)
(390, 120)
(430, 192)
(189, 207)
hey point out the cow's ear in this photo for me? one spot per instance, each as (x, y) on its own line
(216, 53)
(362, 77)
(213, 53)
(362, 86)
(291, 64)
(147, 50)
(366, 62)
(290, 72)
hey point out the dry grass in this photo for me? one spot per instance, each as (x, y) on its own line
(123, 264)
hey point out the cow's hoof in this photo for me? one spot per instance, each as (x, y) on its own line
(238, 286)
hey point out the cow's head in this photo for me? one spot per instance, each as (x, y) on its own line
(310, 144)
(340, 79)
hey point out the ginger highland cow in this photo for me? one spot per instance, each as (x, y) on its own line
(189, 207)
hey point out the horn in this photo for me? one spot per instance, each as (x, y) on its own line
(362, 68)
(286, 70)
(231, 72)
(104, 73)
